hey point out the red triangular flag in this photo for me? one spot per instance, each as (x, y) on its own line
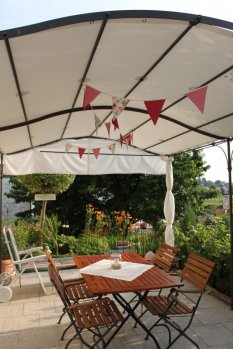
(129, 139)
(90, 94)
(198, 97)
(154, 108)
(81, 151)
(115, 123)
(96, 152)
(108, 126)
(122, 139)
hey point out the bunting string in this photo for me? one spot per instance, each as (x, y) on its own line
(154, 109)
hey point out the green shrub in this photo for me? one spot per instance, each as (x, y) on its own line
(84, 245)
(212, 241)
(26, 234)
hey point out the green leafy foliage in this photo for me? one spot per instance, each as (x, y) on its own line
(84, 245)
(46, 183)
(50, 232)
(211, 240)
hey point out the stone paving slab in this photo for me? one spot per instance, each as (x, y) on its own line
(29, 321)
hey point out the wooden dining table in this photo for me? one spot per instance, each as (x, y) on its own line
(152, 279)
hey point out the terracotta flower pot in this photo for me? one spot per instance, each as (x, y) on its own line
(7, 266)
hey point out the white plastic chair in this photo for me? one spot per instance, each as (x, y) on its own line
(22, 260)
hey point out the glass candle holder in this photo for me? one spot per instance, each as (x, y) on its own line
(116, 258)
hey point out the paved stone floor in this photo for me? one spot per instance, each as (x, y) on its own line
(29, 321)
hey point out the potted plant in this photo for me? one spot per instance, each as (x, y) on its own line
(6, 263)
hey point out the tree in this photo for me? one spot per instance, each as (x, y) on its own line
(141, 195)
(45, 184)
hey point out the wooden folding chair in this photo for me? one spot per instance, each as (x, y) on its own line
(22, 260)
(89, 315)
(176, 304)
(164, 256)
(76, 289)
(60, 268)
(98, 317)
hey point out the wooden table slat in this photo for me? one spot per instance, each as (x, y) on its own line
(152, 279)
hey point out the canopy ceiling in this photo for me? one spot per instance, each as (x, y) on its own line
(141, 55)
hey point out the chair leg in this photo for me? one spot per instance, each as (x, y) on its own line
(182, 332)
(71, 339)
(40, 279)
(61, 317)
(64, 332)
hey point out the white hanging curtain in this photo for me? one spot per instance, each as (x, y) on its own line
(169, 203)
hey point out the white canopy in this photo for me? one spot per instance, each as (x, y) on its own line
(141, 55)
(174, 69)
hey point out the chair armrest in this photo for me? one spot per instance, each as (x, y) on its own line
(188, 290)
(67, 266)
(29, 260)
(73, 282)
(31, 250)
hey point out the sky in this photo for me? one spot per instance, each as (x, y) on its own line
(17, 13)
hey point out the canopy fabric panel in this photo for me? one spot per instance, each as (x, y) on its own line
(54, 159)
(138, 55)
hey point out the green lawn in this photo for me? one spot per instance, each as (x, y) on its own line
(215, 202)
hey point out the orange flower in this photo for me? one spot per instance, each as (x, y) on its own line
(119, 219)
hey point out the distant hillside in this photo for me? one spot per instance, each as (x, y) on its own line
(223, 186)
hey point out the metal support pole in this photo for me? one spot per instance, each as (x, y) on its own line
(229, 167)
(1, 194)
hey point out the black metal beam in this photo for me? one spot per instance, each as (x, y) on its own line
(98, 38)
(229, 167)
(180, 99)
(156, 63)
(1, 226)
(194, 129)
(13, 68)
(98, 16)
(136, 110)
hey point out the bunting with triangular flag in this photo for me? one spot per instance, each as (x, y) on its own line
(96, 152)
(112, 148)
(129, 139)
(68, 147)
(118, 105)
(115, 123)
(97, 123)
(154, 109)
(81, 151)
(108, 127)
(90, 94)
(122, 139)
(198, 97)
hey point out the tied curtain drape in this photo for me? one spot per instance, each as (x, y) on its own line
(169, 203)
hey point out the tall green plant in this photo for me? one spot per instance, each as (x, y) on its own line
(50, 232)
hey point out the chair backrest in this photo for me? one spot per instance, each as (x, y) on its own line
(197, 270)
(164, 256)
(12, 246)
(50, 258)
(58, 284)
